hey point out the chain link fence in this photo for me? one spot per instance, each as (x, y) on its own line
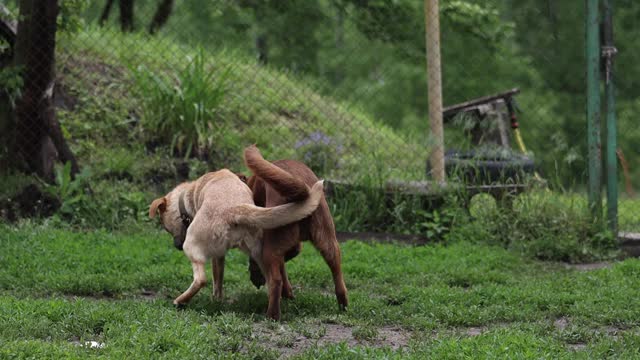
(338, 84)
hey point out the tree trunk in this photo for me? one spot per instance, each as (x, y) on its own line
(338, 74)
(262, 48)
(105, 12)
(126, 15)
(39, 141)
(161, 16)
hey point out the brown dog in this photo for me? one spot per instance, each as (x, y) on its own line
(215, 213)
(274, 184)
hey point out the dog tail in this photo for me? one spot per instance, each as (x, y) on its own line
(277, 216)
(291, 188)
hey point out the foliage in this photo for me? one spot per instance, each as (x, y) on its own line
(70, 18)
(540, 224)
(364, 205)
(186, 110)
(320, 152)
(543, 225)
(89, 202)
(11, 82)
(70, 191)
(119, 163)
(264, 107)
(352, 47)
(482, 21)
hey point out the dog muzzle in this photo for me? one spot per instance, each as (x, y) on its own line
(178, 241)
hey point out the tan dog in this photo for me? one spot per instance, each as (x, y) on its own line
(274, 184)
(216, 213)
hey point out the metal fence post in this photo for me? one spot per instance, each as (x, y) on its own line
(608, 53)
(434, 83)
(593, 107)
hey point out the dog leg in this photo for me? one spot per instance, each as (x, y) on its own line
(328, 246)
(274, 281)
(217, 265)
(199, 281)
(287, 291)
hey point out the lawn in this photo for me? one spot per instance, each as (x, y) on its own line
(60, 289)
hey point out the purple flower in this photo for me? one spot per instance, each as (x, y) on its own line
(320, 151)
(316, 137)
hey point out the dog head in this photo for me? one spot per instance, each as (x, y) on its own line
(170, 217)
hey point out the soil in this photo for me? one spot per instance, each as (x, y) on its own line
(30, 202)
(387, 336)
(589, 266)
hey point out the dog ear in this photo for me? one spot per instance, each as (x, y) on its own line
(157, 204)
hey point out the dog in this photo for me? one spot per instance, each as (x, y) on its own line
(215, 213)
(274, 184)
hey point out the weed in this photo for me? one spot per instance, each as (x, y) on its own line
(544, 225)
(365, 333)
(118, 163)
(11, 81)
(185, 111)
(321, 152)
(70, 192)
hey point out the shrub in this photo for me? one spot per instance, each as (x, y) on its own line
(186, 110)
(543, 225)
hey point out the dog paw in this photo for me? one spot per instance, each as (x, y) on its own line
(179, 306)
(287, 293)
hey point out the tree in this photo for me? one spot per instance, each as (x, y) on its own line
(105, 12)
(161, 16)
(126, 14)
(276, 43)
(39, 141)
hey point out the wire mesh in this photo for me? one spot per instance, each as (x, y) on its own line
(338, 84)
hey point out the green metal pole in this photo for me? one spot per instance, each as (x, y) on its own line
(608, 52)
(593, 107)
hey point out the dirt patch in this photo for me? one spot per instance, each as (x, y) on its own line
(289, 342)
(385, 238)
(589, 267)
(106, 295)
(577, 346)
(561, 323)
(475, 331)
(149, 295)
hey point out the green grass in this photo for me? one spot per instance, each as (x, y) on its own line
(629, 214)
(60, 288)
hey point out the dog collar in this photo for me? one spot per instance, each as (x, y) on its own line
(178, 241)
(184, 215)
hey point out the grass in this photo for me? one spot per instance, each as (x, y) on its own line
(629, 214)
(60, 288)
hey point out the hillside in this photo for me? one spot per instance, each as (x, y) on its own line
(278, 111)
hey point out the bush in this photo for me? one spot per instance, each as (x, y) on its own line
(543, 225)
(185, 111)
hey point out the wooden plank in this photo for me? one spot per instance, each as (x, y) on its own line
(630, 243)
(429, 189)
(450, 111)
